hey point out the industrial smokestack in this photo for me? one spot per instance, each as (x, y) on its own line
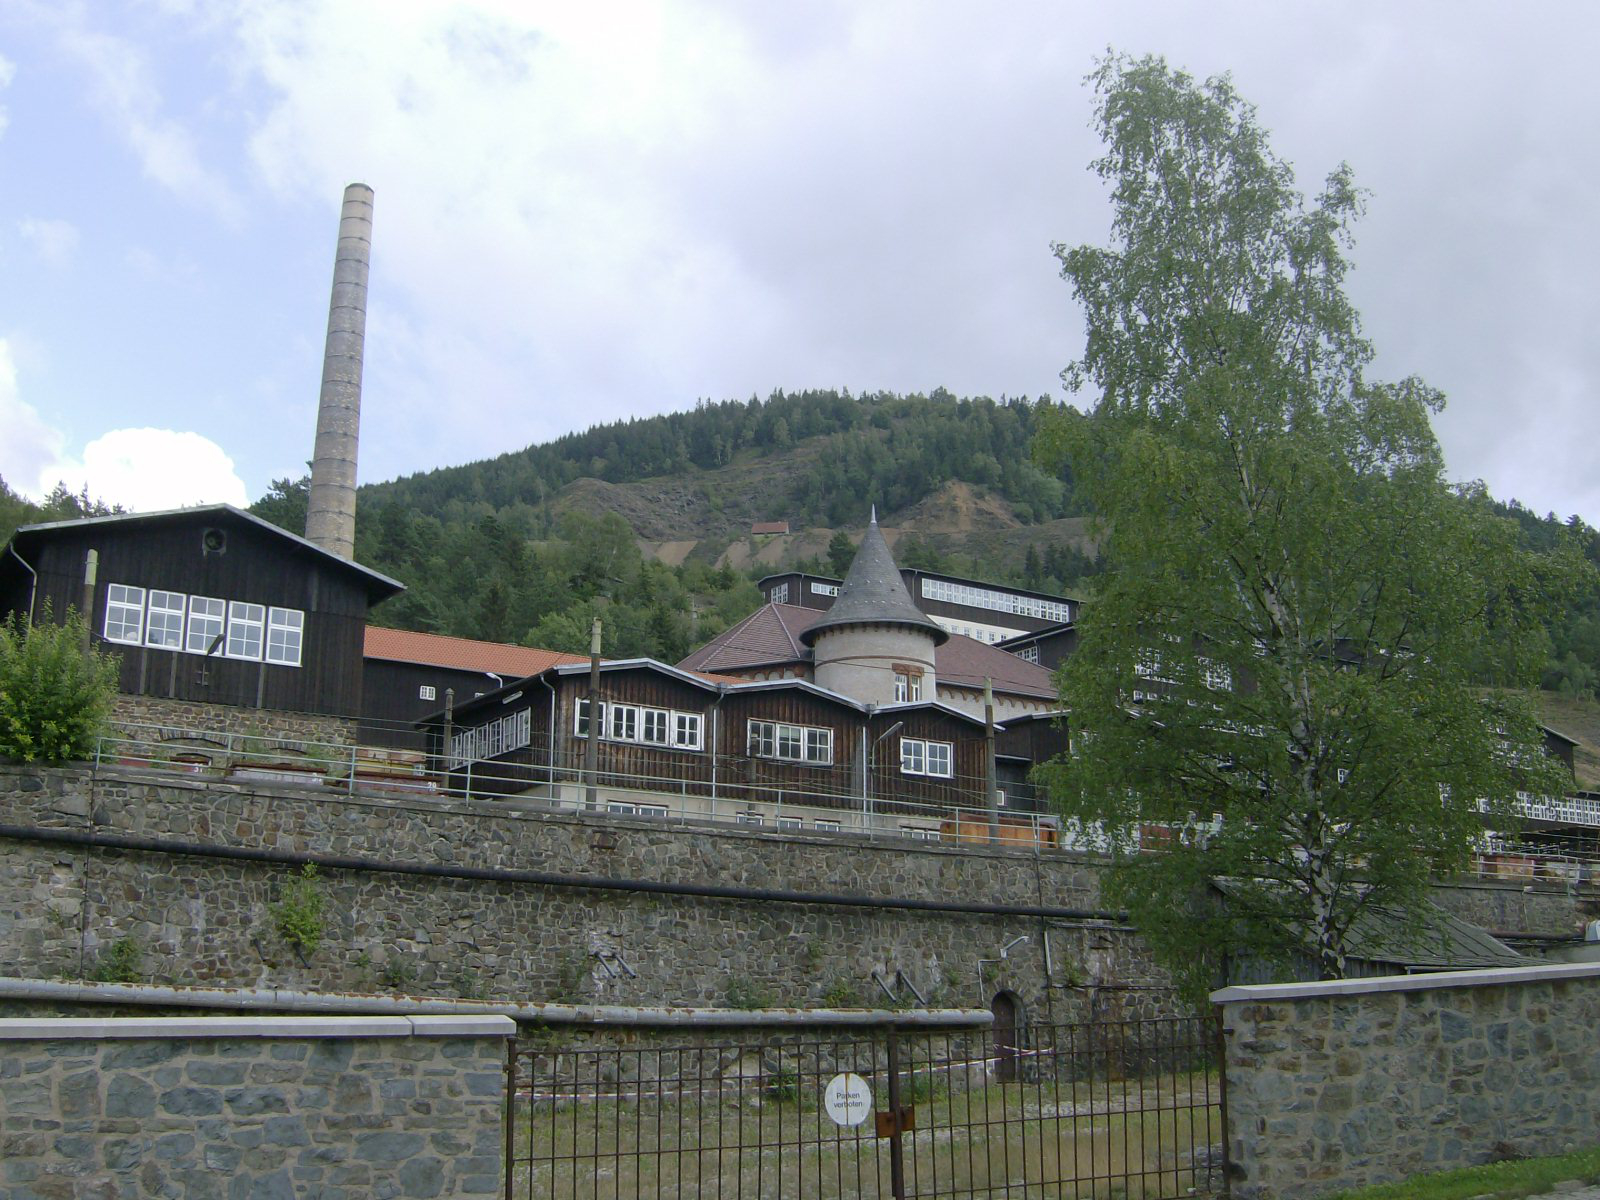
(331, 510)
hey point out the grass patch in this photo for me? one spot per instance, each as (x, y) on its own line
(1504, 1180)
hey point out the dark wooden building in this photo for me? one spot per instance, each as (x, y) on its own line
(208, 605)
(782, 752)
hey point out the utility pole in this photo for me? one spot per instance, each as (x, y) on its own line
(988, 762)
(591, 751)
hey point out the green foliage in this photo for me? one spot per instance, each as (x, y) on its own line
(1296, 612)
(841, 993)
(59, 505)
(119, 962)
(746, 994)
(399, 971)
(55, 695)
(298, 913)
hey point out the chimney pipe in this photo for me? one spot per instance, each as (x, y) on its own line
(331, 507)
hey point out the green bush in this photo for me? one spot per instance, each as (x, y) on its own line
(298, 914)
(119, 962)
(55, 696)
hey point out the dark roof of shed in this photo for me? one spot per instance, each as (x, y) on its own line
(873, 594)
(379, 585)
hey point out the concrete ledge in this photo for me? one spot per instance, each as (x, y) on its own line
(104, 1028)
(1407, 983)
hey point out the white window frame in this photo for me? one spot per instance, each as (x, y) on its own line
(790, 823)
(687, 730)
(655, 726)
(208, 621)
(163, 620)
(125, 603)
(240, 618)
(811, 745)
(919, 756)
(426, 691)
(780, 593)
(622, 723)
(919, 833)
(286, 632)
(580, 717)
(828, 826)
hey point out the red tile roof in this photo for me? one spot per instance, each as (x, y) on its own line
(770, 637)
(437, 650)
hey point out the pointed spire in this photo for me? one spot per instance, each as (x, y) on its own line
(873, 593)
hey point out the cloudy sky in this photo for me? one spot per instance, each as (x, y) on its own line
(588, 211)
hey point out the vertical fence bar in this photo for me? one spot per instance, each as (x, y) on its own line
(1221, 1062)
(511, 1112)
(897, 1161)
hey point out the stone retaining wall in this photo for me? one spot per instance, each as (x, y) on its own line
(259, 1106)
(179, 717)
(206, 920)
(1362, 1081)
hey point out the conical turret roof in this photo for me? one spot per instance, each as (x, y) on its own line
(874, 594)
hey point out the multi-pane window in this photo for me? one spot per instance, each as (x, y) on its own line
(920, 833)
(633, 723)
(284, 629)
(1029, 653)
(686, 730)
(246, 622)
(780, 593)
(794, 743)
(622, 723)
(978, 597)
(1216, 676)
(832, 826)
(654, 725)
(164, 621)
(207, 617)
(500, 736)
(124, 613)
(629, 809)
(426, 692)
(203, 624)
(920, 757)
(907, 687)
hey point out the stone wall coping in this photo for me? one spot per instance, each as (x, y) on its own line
(1425, 982)
(122, 1028)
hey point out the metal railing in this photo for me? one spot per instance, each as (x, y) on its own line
(1133, 1108)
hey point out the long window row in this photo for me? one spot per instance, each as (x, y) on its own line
(792, 743)
(649, 726)
(979, 597)
(919, 757)
(138, 616)
(492, 739)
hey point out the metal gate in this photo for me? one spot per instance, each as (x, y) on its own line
(1130, 1109)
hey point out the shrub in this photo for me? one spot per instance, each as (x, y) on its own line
(298, 914)
(55, 696)
(119, 962)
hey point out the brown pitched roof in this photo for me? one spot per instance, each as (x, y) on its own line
(770, 637)
(437, 650)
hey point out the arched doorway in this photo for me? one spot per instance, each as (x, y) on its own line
(1007, 1010)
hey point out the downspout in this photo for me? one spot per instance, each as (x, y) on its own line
(716, 741)
(33, 586)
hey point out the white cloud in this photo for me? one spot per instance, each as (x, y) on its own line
(29, 442)
(52, 240)
(8, 72)
(148, 470)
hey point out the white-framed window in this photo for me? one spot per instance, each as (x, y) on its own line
(164, 620)
(207, 618)
(622, 722)
(790, 823)
(750, 818)
(124, 614)
(1029, 653)
(580, 718)
(630, 809)
(920, 833)
(285, 627)
(978, 597)
(686, 730)
(793, 743)
(426, 692)
(907, 687)
(824, 589)
(504, 734)
(246, 624)
(653, 725)
(920, 757)
(1216, 676)
(828, 826)
(780, 592)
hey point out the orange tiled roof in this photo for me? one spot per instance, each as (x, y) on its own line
(437, 650)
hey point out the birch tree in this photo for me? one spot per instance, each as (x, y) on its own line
(1285, 660)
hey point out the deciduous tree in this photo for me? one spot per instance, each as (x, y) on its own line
(1278, 663)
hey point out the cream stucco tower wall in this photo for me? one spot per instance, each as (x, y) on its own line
(873, 631)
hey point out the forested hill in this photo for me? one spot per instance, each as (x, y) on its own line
(819, 458)
(649, 521)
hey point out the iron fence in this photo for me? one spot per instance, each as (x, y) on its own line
(1129, 1109)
